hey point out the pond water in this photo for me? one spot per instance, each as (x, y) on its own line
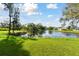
(57, 34)
(61, 34)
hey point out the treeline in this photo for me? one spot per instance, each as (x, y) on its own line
(31, 29)
(4, 25)
(36, 29)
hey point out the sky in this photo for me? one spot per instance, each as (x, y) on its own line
(48, 14)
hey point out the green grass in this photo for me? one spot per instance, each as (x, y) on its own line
(52, 46)
(19, 46)
(69, 31)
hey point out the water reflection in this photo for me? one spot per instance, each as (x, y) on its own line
(60, 34)
(57, 34)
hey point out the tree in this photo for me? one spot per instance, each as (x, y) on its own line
(9, 7)
(16, 23)
(63, 21)
(41, 29)
(31, 30)
(71, 13)
(50, 29)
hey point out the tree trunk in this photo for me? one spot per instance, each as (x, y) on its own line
(9, 25)
(13, 27)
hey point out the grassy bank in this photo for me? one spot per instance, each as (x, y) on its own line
(69, 31)
(15, 45)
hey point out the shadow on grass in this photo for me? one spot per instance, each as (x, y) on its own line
(11, 47)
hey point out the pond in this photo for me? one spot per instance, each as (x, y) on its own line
(57, 34)
(61, 34)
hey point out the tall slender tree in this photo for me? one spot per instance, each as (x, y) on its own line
(9, 7)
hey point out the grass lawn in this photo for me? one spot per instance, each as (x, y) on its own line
(38, 46)
(52, 46)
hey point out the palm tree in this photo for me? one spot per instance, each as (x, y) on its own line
(9, 7)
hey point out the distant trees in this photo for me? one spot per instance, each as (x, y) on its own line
(37, 30)
(41, 29)
(4, 24)
(50, 29)
(33, 29)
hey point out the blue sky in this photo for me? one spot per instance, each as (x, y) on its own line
(44, 13)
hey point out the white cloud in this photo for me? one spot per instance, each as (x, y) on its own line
(31, 9)
(52, 6)
(34, 13)
(50, 16)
